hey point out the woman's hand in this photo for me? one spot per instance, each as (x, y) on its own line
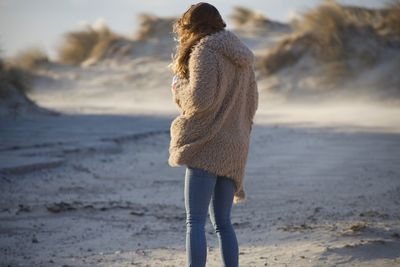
(174, 84)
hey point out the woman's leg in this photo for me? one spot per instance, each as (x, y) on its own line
(220, 215)
(199, 187)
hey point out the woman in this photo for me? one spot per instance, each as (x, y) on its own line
(215, 89)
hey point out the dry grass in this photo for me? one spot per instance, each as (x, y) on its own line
(334, 34)
(13, 78)
(153, 27)
(243, 17)
(30, 58)
(287, 52)
(79, 46)
(389, 26)
(94, 43)
(250, 21)
(327, 25)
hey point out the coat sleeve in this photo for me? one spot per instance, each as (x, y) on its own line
(177, 93)
(198, 92)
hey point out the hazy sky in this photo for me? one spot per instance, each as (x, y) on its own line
(25, 23)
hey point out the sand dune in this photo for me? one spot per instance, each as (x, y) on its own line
(335, 51)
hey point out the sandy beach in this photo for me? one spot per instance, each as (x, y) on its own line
(317, 196)
(88, 184)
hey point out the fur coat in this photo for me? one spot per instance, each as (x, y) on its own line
(217, 102)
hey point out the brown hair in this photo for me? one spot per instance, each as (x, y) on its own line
(198, 21)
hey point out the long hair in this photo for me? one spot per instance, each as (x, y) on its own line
(198, 21)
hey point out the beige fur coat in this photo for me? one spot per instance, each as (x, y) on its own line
(217, 104)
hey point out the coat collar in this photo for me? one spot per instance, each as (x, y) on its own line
(228, 44)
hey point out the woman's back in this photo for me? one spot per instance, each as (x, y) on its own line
(218, 103)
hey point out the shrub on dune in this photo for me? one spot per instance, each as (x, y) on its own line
(242, 16)
(79, 46)
(154, 27)
(88, 46)
(390, 24)
(326, 26)
(13, 80)
(30, 58)
(287, 52)
(15, 83)
(247, 19)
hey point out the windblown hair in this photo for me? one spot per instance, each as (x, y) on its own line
(198, 21)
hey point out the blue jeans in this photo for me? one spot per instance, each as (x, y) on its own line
(206, 191)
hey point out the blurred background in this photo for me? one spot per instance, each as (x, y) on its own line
(48, 20)
(332, 51)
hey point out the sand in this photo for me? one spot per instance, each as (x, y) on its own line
(316, 197)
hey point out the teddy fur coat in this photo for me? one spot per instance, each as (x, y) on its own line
(217, 102)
